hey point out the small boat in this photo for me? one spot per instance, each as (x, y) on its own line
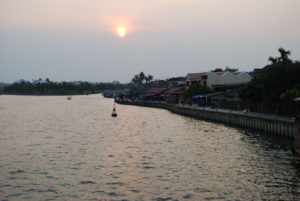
(69, 97)
(114, 112)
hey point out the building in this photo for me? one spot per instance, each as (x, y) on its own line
(176, 82)
(218, 79)
(115, 82)
(156, 91)
(115, 93)
(193, 78)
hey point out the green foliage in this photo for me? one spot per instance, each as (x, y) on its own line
(229, 103)
(250, 91)
(287, 99)
(196, 89)
(226, 69)
(218, 70)
(290, 95)
(36, 87)
(278, 84)
(139, 79)
(283, 59)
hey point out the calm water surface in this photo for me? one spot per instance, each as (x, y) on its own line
(55, 149)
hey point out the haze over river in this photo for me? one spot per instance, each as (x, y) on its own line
(52, 148)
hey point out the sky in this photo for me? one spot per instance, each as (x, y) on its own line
(68, 40)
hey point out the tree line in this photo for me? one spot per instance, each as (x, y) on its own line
(47, 87)
(275, 87)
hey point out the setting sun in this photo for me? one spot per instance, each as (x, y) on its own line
(121, 26)
(121, 31)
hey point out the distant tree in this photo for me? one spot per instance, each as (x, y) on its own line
(196, 89)
(149, 78)
(59, 88)
(139, 79)
(231, 69)
(226, 69)
(142, 76)
(217, 70)
(283, 59)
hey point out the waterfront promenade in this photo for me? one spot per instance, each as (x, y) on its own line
(273, 124)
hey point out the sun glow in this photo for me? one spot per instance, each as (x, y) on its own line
(121, 26)
(121, 31)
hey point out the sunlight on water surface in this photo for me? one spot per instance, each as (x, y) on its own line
(54, 148)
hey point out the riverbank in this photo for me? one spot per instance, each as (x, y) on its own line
(273, 124)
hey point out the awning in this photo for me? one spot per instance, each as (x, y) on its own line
(199, 96)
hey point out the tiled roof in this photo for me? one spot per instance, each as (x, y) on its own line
(220, 73)
(174, 91)
(236, 73)
(156, 90)
(195, 75)
(227, 72)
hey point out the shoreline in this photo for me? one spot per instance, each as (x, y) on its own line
(273, 124)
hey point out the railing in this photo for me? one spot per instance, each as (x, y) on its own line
(279, 125)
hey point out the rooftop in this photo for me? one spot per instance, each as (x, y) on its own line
(156, 90)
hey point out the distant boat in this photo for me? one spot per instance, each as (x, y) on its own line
(114, 112)
(69, 97)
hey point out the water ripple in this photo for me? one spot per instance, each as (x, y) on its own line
(53, 149)
(87, 182)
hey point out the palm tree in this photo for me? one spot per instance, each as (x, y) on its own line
(284, 56)
(283, 59)
(141, 78)
(148, 79)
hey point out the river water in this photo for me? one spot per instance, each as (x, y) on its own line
(52, 148)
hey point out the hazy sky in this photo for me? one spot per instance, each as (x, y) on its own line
(76, 40)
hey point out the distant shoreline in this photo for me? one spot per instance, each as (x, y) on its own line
(10, 94)
(39, 95)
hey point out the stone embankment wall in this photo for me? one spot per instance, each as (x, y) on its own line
(283, 126)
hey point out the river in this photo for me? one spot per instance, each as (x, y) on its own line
(52, 148)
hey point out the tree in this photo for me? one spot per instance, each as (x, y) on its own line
(283, 59)
(287, 99)
(250, 91)
(226, 69)
(217, 70)
(149, 78)
(196, 89)
(231, 69)
(141, 78)
(59, 88)
(276, 85)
